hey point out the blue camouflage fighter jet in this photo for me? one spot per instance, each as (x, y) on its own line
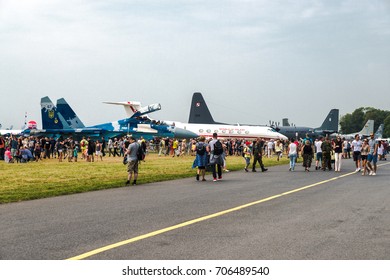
(63, 121)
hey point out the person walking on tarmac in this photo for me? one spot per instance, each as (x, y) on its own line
(258, 155)
(216, 157)
(326, 154)
(132, 159)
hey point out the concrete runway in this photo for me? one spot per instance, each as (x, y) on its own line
(326, 215)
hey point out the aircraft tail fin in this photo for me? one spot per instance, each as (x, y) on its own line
(285, 122)
(51, 118)
(199, 112)
(331, 122)
(368, 128)
(69, 115)
(379, 132)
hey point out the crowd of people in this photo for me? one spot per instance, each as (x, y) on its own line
(25, 149)
(327, 153)
(210, 154)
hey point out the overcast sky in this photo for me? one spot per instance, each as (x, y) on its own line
(253, 61)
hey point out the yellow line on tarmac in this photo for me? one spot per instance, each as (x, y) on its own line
(201, 219)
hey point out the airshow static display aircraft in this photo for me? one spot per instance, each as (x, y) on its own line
(365, 132)
(7, 132)
(330, 125)
(379, 132)
(200, 114)
(67, 123)
(207, 130)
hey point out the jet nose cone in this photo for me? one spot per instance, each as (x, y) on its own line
(183, 133)
(283, 137)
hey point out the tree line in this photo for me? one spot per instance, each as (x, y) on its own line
(355, 121)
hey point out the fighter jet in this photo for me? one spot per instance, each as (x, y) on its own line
(55, 124)
(379, 133)
(365, 132)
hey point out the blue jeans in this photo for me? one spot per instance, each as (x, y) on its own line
(292, 160)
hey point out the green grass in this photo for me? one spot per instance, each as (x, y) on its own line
(48, 178)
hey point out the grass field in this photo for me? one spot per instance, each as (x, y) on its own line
(48, 178)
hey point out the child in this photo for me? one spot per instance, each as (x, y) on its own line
(75, 153)
(247, 156)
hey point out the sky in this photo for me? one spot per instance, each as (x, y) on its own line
(253, 61)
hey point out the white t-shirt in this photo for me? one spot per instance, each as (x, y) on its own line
(292, 149)
(357, 145)
(380, 149)
(318, 146)
(345, 145)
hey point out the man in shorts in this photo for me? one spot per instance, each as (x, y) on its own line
(132, 161)
(318, 144)
(373, 154)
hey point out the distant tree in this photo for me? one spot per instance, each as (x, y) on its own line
(354, 122)
(377, 115)
(351, 123)
(345, 123)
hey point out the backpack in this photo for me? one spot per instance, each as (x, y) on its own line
(218, 149)
(140, 153)
(200, 149)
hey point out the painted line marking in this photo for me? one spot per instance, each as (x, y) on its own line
(204, 218)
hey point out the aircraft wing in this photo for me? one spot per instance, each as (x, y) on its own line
(76, 133)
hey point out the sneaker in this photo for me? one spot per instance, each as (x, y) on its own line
(289, 169)
(265, 169)
(219, 178)
(246, 169)
(226, 170)
(373, 174)
(197, 177)
(370, 173)
(359, 169)
(214, 180)
(254, 170)
(127, 182)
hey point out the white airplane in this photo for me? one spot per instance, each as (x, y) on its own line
(232, 131)
(365, 132)
(7, 132)
(207, 130)
(10, 131)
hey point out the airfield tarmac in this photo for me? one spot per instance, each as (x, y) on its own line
(273, 215)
